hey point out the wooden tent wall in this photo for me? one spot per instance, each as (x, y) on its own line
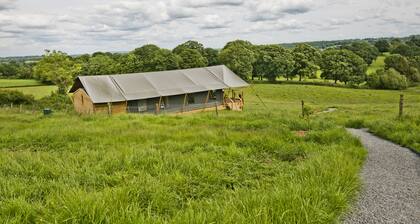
(82, 102)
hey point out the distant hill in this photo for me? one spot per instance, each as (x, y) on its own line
(333, 43)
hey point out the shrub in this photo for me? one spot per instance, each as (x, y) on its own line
(387, 79)
(413, 74)
(15, 97)
(355, 123)
(55, 101)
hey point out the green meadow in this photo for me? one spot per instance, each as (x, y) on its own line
(19, 83)
(237, 167)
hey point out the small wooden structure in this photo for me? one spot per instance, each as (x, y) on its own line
(180, 91)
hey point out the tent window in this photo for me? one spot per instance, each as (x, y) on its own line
(82, 100)
(212, 95)
(191, 99)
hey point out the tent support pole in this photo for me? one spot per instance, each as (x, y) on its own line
(207, 99)
(185, 100)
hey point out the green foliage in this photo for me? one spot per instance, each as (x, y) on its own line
(343, 65)
(190, 58)
(355, 123)
(389, 79)
(239, 57)
(55, 101)
(397, 62)
(15, 69)
(406, 50)
(152, 58)
(383, 46)
(272, 61)
(212, 56)
(403, 66)
(100, 64)
(307, 111)
(306, 59)
(193, 45)
(58, 68)
(146, 51)
(364, 50)
(15, 97)
(129, 63)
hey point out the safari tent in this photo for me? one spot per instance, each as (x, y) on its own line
(176, 91)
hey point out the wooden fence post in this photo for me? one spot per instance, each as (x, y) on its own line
(401, 111)
(217, 110)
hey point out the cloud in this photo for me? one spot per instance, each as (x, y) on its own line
(7, 4)
(277, 25)
(275, 9)
(215, 21)
(208, 3)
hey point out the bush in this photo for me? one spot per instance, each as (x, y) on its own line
(355, 123)
(15, 97)
(389, 79)
(55, 101)
(413, 75)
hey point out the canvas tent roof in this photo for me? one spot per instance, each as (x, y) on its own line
(117, 88)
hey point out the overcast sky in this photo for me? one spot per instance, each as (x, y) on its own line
(27, 27)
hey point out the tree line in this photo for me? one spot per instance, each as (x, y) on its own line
(346, 63)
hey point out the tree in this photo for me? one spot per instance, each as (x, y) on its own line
(129, 63)
(162, 60)
(152, 58)
(145, 51)
(404, 66)
(272, 61)
(414, 62)
(383, 46)
(194, 45)
(364, 49)
(190, 58)
(303, 66)
(387, 79)
(343, 65)
(414, 41)
(212, 56)
(397, 62)
(405, 50)
(239, 58)
(58, 68)
(307, 59)
(101, 64)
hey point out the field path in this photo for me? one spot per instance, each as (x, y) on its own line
(391, 183)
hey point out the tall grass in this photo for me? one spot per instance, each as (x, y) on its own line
(238, 167)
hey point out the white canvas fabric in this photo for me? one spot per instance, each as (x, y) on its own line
(126, 87)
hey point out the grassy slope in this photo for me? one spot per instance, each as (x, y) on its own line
(374, 109)
(19, 82)
(236, 168)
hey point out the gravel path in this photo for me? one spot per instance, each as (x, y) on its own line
(391, 183)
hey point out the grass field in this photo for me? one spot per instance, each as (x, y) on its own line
(379, 63)
(238, 167)
(19, 82)
(37, 91)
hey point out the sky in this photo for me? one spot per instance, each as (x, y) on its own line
(28, 27)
